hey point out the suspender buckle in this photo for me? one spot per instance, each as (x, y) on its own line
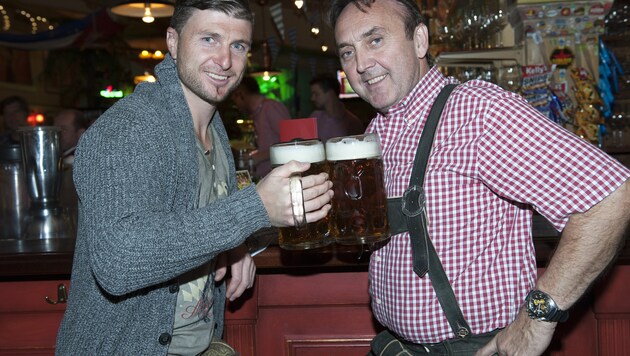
(462, 332)
(413, 200)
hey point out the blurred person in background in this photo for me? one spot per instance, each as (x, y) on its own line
(14, 114)
(333, 119)
(72, 126)
(266, 114)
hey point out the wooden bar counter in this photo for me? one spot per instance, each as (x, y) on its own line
(303, 303)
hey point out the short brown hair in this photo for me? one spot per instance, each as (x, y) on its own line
(184, 9)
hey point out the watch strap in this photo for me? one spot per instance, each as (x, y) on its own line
(558, 315)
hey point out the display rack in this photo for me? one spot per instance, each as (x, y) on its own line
(479, 58)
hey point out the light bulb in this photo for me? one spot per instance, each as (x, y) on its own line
(324, 48)
(299, 4)
(148, 17)
(315, 30)
(266, 76)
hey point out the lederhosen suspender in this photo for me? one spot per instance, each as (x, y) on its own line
(409, 213)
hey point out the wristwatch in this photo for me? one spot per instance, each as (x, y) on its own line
(541, 306)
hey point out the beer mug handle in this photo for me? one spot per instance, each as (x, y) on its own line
(354, 187)
(297, 202)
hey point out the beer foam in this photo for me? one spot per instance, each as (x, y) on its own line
(303, 153)
(352, 148)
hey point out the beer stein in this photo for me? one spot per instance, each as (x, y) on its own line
(303, 235)
(359, 206)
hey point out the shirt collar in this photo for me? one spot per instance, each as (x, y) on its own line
(419, 99)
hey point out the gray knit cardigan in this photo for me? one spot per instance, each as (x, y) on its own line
(136, 176)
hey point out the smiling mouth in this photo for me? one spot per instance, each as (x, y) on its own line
(217, 77)
(377, 79)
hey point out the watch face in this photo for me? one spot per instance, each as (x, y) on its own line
(537, 305)
(542, 307)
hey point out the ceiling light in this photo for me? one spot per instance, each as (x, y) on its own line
(266, 71)
(144, 54)
(148, 17)
(299, 4)
(147, 10)
(315, 30)
(324, 48)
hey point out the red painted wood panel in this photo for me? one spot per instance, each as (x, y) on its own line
(314, 314)
(323, 330)
(28, 324)
(30, 296)
(613, 292)
(317, 314)
(614, 337)
(343, 288)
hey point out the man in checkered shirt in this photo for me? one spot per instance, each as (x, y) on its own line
(494, 160)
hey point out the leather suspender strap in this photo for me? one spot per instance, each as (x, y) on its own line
(410, 211)
(413, 199)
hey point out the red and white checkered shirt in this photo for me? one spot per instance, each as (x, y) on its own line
(494, 159)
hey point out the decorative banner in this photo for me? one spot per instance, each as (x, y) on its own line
(293, 61)
(314, 19)
(276, 15)
(273, 48)
(76, 33)
(292, 35)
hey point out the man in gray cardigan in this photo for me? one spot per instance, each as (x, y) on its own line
(159, 203)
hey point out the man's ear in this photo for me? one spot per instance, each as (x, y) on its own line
(421, 40)
(171, 41)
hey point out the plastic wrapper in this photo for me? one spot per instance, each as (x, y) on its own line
(535, 87)
(588, 118)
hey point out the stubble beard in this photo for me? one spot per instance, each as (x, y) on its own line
(193, 81)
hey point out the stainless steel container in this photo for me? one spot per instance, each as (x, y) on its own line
(41, 156)
(14, 200)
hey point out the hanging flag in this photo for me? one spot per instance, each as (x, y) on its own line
(273, 48)
(314, 19)
(292, 35)
(293, 61)
(76, 33)
(276, 15)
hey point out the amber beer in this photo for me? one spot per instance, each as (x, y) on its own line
(314, 234)
(359, 207)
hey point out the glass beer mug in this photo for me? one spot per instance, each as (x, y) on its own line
(359, 206)
(311, 235)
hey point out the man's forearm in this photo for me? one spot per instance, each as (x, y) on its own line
(589, 242)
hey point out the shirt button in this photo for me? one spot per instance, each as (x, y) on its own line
(378, 301)
(165, 338)
(173, 288)
(377, 258)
